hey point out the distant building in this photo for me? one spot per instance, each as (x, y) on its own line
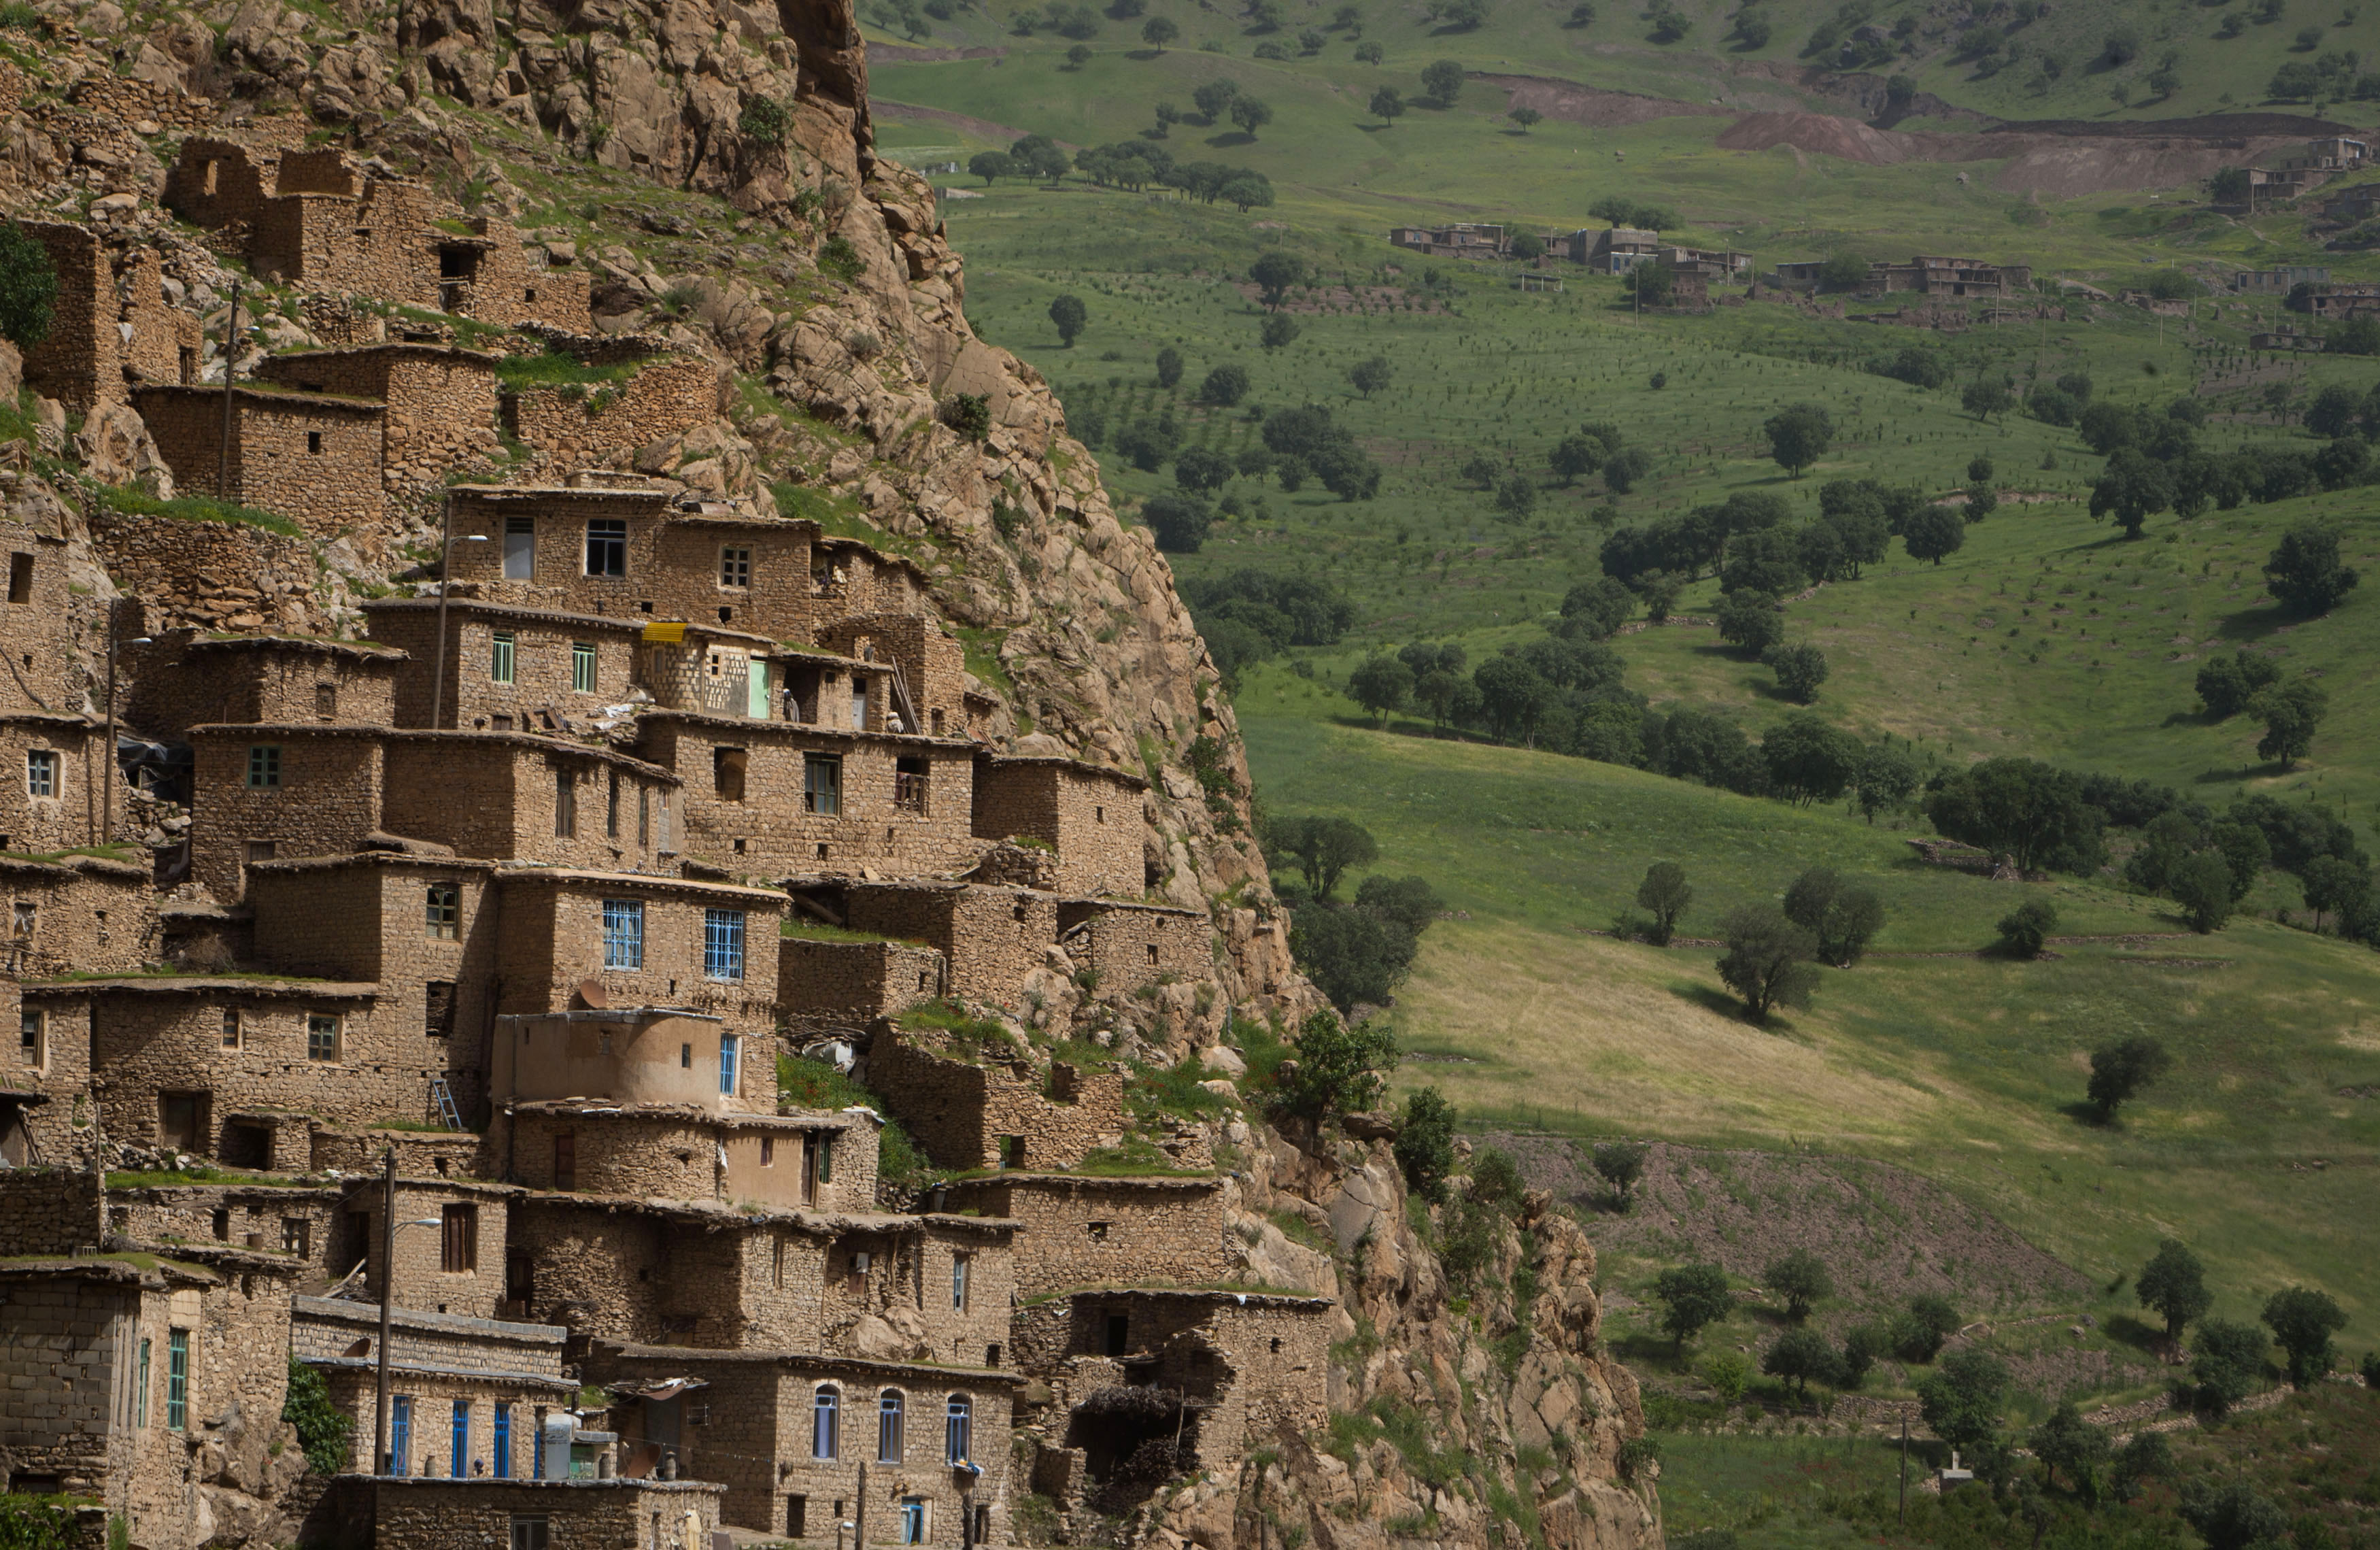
(1461, 239)
(1924, 275)
(2281, 281)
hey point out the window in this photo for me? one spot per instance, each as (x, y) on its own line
(582, 666)
(314, 442)
(624, 933)
(326, 701)
(727, 767)
(822, 784)
(612, 808)
(734, 566)
(565, 805)
(231, 1039)
(643, 818)
(458, 1248)
(262, 851)
(264, 767)
(141, 1394)
(723, 944)
(322, 1036)
(888, 1427)
(909, 784)
(956, 1428)
(441, 912)
(530, 1533)
(1119, 1334)
(177, 1380)
(20, 577)
(960, 1265)
(29, 1031)
(400, 1432)
(730, 1050)
(41, 772)
(797, 1517)
(298, 1236)
(438, 1008)
(502, 1443)
(28, 915)
(607, 547)
(520, 548)
(913, 1520)
(501, 656)
(826, 1428)
(565, 1161)
(826, 1159)
(458, 1465)
(769, 1160)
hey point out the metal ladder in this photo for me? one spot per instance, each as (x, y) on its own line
(442, 1105)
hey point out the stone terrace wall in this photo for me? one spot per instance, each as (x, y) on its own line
(964, 1115)
(993, 939)
(665, 400)
(1090, 1232)
(418, 1514)
(210, 575)
(50, 1211)
(129, 100)
(824, 984)
(1133, 945)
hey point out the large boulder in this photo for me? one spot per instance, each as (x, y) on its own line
(115, 448)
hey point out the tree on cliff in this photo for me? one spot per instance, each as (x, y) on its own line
(28, 288)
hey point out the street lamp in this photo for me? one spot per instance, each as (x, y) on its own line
(387, 1304)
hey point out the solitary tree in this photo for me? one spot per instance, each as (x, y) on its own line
(2304, 573)
(1369, 54)
(1277, 331)
(1798, 1356)
(1322, 848)
(1986, 396)
(1666, 893)
(1933, 532)
(1225, 385)
(1961, 1399)
(1443, 81)
(1694, 1297)
(1158, 31)
(1767, 959)
(1621, 1163)
(1575, 456)
(991, 165)
(1425, 1143)
(1382, 685)
(1369, 375)
(2290, 713)
(1802, 1280)
(2133, 487)
(1388, 104)
(1250, 115)
(1274, 272)
(2120, 1070)
(1800, 670)
(2025, 929)
(1526, 117)
(28, 288)
(2066, 1441)
(1071, 316)
(1515, 495)
(2303, 1321)
(1799, 436)
(1078, 56)
(2174, 1284)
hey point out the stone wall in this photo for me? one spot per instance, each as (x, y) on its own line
(80, 361)
(824, 984)
(302, 1226)
(1091, 816)
(932, 665)
(581, 424)
(418, 1514)
(746, 800)
(440, 402)
(993, 939)
(314, 459)
(182, 680)
(159, 342)
(553, 943)
(514, 807)
(1081, 1231)
(83, 913)
(51, 1211)
(474, 1290)
(328, 795)
(70, 749)
(543, 665)
(40, 619)
(676, 1154)
(967, 1116)
(209, 574)
(1130, 946)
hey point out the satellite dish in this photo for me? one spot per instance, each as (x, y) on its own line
(591, 991)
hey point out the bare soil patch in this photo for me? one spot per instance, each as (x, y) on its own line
(1592, 105)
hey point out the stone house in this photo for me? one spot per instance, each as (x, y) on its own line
(663, 399)
(843, 981)
(128, 1368)
(1088, 814)
(1460, 239)
(845, 1281)
(815, 799)
(1098, 1230)
(789, 1432)
(309, 456)
(642, 941)
(929, 667)
(682, 1150)
(48, 780)
(992, 938)
(966, 1114)
(104, 333)
(266, 791)
(468, 1394)
(451, 1243)
(210, 1066)
(441, 401)
(850, 577)
(1129, 946)
(186, 677)
(40, 632)
(84, 913)
(578, 1513)
(1250, 1364)
(303, 1225)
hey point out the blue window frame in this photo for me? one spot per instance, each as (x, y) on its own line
(826, 1423)
(400, 1432)
(723, 944)
(460, 1466)
(957, 1427)
(503, 1443)
(730, 1050)
(888, 1427)
(624, 933)
(913, 1520)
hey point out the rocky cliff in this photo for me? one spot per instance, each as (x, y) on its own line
(712, 163)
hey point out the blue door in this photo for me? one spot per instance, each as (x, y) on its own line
(503, 1445)
(400, 1433)
(461, 1467)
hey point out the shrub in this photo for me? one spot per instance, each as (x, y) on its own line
(837, 257)
(1180, 522)
(28, 288)
(2025, 929)
(969, 414)
(765, 121)
(1340, 1070)
(1425, 1144)
(323, 1429)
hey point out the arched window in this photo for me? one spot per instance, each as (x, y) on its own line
(888, 1427)
(826, 1423)
(956, 1428)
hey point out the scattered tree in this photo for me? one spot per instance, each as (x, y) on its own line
(1986, 396)
(1693, 1298)
(1370, 53)
(1516, 496)
(1526, 117)
(1808, 761)
(1798, 1356)
(2303, 1321)
(1250, 115)
(1071, 316)
(2304, 573)
(2024, 930)
(1202, 469)
(1666, 893)
(1621, 1163)
(1370, 374)
(1224, 386)
(1800, 670)
(1862, 1344)
(1277, 331)
(1918, 1334)
(2292, 713)
(2225, 684)
(1158, 31)
(1961, 1399)
(991, 167)
(2227, 1360)
(1934, 533)
(2066, 1441)
(1339, 1069)
(1274, 272)
(1078, 56)
(1751, 621)
(1388, 103)
(2120, 1070)
(1887, 776)
(2174, 1284)
(1842, 920)
(2030, 813)
(2202, 885)
(1169, 367)
(1382, 685)
(1767, 959)
(1425, 1143)
(1575, 456)
(2334, 884)
(2133, 487)
(1323, 849)
(1802, 1280)
(2232, 1516)
(1442, 80)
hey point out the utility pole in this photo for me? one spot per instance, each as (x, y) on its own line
(387, 1297)
(230, 352)
(1904, 1469)
(859, 1514)
(445, 563)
